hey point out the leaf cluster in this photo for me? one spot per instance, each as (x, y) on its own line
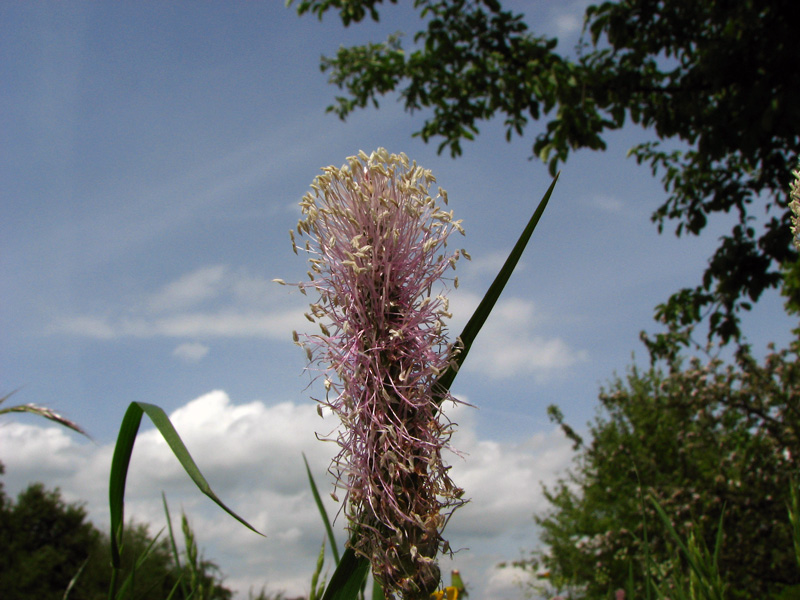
(48, 547)
(717, 79)
(702, 440)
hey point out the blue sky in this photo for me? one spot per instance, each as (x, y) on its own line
(152, 160)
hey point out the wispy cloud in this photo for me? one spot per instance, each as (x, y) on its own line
(567, 17)
(252, 456)
(190, 289)
(209, 302)
(191, 352)
(214, 302)
(607, 203)
(511, 342)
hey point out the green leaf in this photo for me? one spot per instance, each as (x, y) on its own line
(121, 460)
(486, 305)
(323, 513)
(126, 589)
(377, 590)
(74, 580)
(174, 546)
(348, 578)
(316, 590)
(694, 556)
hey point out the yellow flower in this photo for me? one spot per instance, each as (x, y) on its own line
(448, 593)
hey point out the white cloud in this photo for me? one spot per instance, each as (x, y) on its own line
(191, 352)
(609, 204)
(209, 302)
(507, 581)
(94, 327)
(218, 302)
(251, 455)
(190, 289)
(567, 17)
(568, 23)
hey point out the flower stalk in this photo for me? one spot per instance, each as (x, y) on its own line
(377, 245)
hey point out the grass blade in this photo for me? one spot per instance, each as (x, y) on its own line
(174, 546)
(42, 411)
(74, 580)
(794, 518)
(348, 578)
(323, 513)
(486, 305)
(121, 461)
(691, 557)
(377, 590)
(316, 588)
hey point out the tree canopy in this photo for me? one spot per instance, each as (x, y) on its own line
(46, 543)
(719, 77)
(706, 441)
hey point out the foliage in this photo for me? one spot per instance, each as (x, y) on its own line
(43, 544)
(702, 440)
(718, 77)
(46, 542)
(203, 577)
(794, 205)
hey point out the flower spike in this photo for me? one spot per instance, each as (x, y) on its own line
(378, 252)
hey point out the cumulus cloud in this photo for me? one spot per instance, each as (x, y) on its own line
(251, 454)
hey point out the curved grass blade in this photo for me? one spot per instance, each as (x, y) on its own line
(74, 580)
(348, 578)
(486, 305)
(42, 411)
(323, 513)
(121, 461)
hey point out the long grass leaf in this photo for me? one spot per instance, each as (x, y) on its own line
(348, 578)
(121, 461)
(486, 305)
(128, 584)
(174, 546)
(794, 518)
(74, 580)
(691, 557)
(322, 512)
(315, 588)
(377, 590)
(178, 585)
(718, 541)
